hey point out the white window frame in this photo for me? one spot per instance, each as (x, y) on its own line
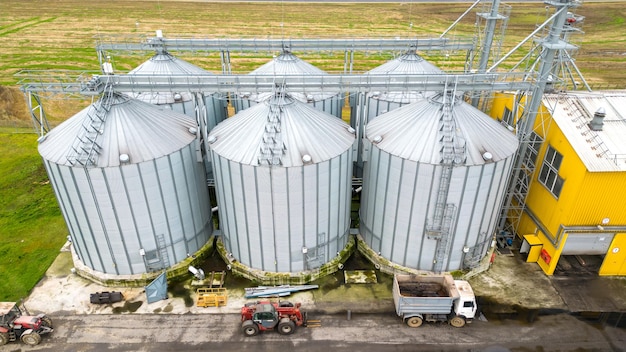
(549, 172)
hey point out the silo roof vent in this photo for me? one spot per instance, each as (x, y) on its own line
(598, 120)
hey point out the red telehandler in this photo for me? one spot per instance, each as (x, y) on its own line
(265, 315)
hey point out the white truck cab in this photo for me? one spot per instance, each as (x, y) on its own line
(465, 306)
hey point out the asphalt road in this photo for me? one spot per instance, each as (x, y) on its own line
(363, 332)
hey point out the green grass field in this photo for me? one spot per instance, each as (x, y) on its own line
(53, 35)
(31, 226)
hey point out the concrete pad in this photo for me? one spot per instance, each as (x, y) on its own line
(590, 294)
(513, 282)
(509, 282)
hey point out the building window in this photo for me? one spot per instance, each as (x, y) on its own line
(507, 117)
(549, 174)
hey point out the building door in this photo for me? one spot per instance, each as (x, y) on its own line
(587, 243)
(615, 260)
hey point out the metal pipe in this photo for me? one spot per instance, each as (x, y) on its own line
(530, 36)
(460, 18)
(491, 25)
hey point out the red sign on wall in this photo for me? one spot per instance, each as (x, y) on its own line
(545, 256)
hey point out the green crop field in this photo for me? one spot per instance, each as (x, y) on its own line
(45, 35)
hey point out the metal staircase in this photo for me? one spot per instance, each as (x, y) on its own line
(474, 254)
(524, 165)
(201, 118)
(272, 147)
(315, 257)
(443, 244)
(452, 153)
(162, 248)
(85, 148)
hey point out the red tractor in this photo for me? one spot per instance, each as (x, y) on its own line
(19, 324)
(266, 315)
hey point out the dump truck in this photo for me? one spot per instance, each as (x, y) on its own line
(282, 316)
(18, 324)
(433, 298)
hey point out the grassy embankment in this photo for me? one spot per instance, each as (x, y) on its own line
(43, 35)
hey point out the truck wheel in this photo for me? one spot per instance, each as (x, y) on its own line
(286, 326)
(4, 338)
(249, 328)
(414, 322)
(31, 338)
(457, 322)
(46, 321)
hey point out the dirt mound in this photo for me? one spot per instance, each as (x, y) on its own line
(12, 105)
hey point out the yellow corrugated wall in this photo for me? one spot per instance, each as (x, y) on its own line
(549, 256)
(499, 102)
(601, 195)
(615, 260)
(553, 212)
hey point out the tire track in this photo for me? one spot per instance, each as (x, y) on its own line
(27, 23)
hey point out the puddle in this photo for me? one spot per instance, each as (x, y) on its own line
(181, 290)
(128, 307)
(601, 319)
(494, 311)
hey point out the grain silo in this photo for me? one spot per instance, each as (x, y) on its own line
(364, 107)
(380, 102)
(283, 180)
(434, 179)
(207, 108)
(129, 184)
(163, 63)
(287, 64)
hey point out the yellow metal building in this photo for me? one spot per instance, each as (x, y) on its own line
(576, 202)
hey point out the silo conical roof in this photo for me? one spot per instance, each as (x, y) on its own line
(137, 129)
(413, 131)
(408, 63)
(297, 128)
(287, 64)
(163, 63)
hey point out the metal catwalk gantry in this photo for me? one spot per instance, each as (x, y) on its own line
(70, 83)
(107, 45)
(549, 70)
(530, 84)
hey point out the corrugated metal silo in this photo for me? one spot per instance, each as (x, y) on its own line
(380, 102)
(163, 63)
(288, 64)
(365, 107)
(208, 109)
(130, 186)
(434, 179)
(283, 180)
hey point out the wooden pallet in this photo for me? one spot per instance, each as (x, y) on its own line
(214, 279)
